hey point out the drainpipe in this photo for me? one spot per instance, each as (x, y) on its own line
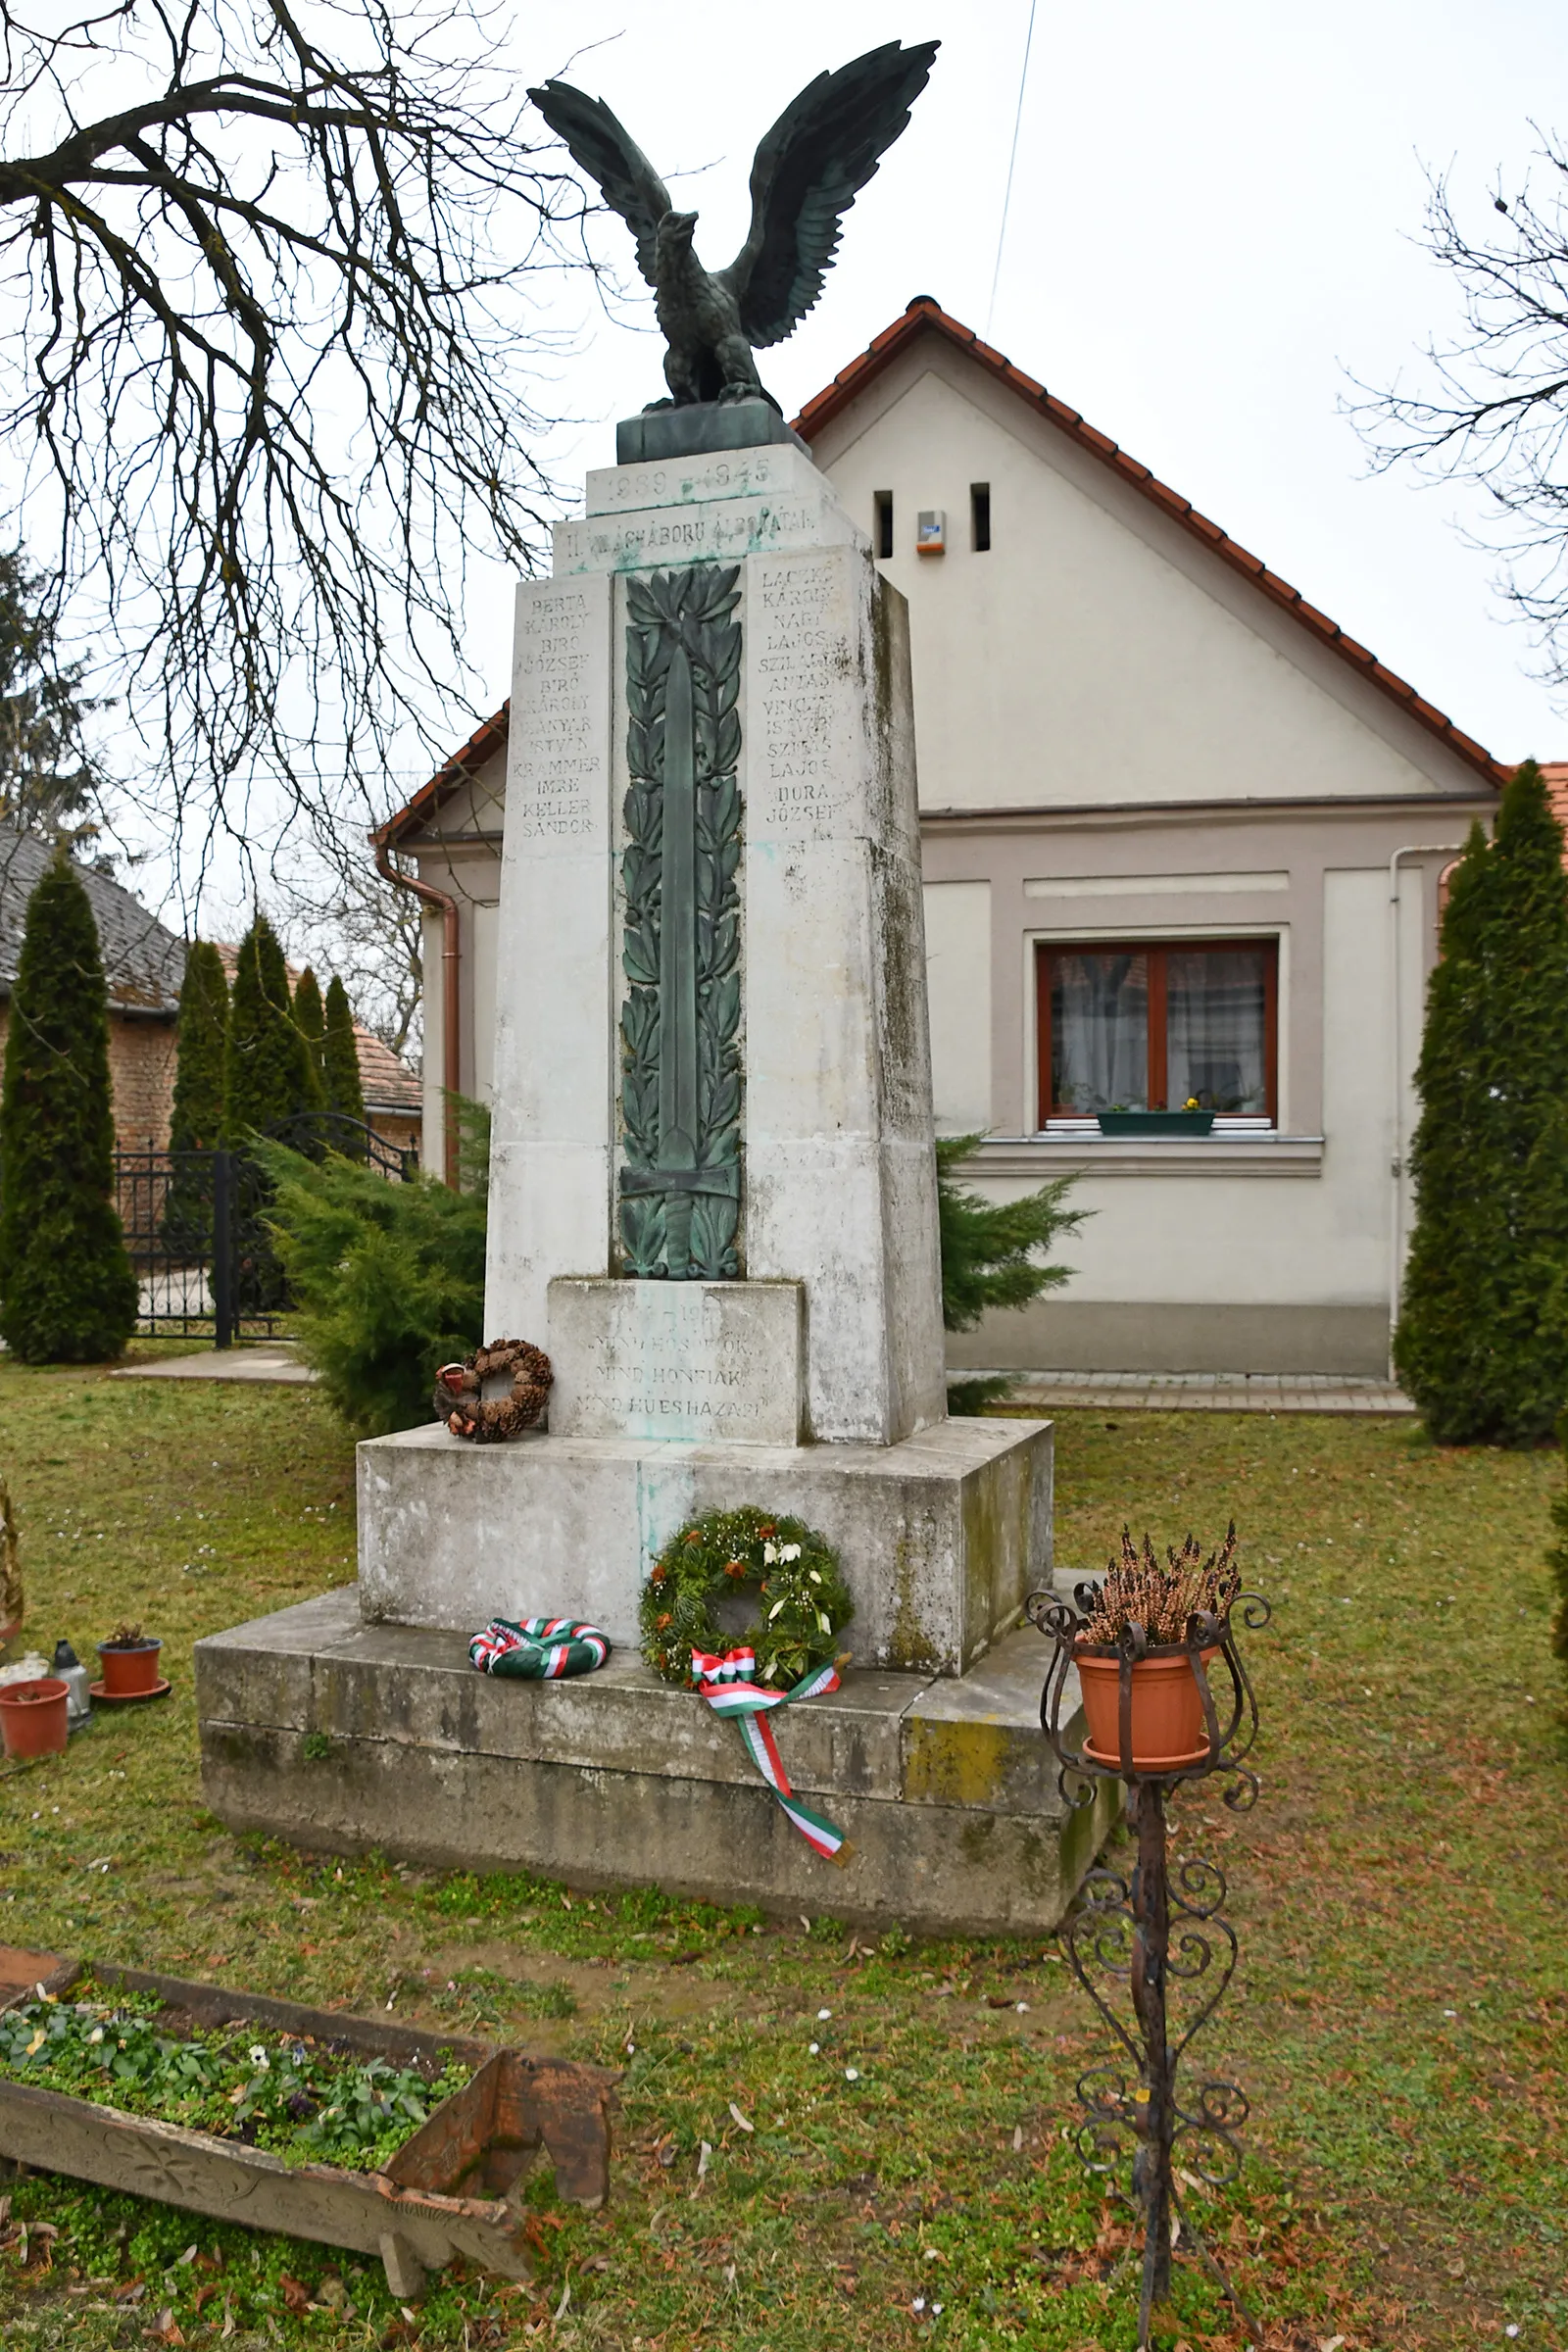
(1412, 849)
(451, 1034)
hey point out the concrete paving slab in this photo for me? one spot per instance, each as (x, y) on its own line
(266, 1364)
(1204, 1393)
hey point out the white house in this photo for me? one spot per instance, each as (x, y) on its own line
(1183, 838)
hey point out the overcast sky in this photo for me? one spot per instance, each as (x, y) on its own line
(1212, 223)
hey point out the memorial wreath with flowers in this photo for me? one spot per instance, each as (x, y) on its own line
(804, 1602)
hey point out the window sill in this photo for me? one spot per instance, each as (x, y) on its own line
(1260, 1152)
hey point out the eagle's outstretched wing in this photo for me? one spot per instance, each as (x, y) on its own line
(601, 145)
(809, 170)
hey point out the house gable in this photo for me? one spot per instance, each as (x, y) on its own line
(1110, 647)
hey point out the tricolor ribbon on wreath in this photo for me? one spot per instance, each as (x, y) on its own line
(538, 1649)
(728, 1687)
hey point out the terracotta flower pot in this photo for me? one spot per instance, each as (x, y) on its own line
(1168, 1728)
(33, 1717)
(126, 1672)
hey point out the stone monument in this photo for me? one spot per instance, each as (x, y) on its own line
(712, 1183)
(713, 1199)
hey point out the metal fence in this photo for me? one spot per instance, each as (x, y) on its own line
(195, 1224)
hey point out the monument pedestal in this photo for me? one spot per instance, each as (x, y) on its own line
(945, 1788)
(941, 1537)
(713, 1202)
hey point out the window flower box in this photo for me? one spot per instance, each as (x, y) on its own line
(1156, 1122)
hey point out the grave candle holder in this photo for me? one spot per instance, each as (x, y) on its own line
(1157, 1927)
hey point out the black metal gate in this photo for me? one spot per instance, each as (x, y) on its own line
(195, 1224)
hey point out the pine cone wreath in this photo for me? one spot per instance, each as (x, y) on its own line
(460, 1401)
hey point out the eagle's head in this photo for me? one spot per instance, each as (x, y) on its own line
(674, 233)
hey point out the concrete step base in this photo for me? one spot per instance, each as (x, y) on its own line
(944, 1786)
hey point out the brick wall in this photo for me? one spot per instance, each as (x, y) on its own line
(141, 1077)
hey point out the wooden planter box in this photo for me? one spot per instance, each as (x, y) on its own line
(452, 2189)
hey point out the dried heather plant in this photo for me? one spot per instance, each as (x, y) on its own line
(1139, 1590)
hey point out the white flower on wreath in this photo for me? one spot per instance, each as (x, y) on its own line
(769, 1555)
(789, 1552)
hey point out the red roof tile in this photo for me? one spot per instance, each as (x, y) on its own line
(927, 317)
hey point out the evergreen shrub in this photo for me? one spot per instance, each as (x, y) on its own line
(1482, 1344)
(268, 1076)
(991, 1254)
(196, 1122)
(309, 1019)
(341, 1067)
(67, 1291)
(388, 1279)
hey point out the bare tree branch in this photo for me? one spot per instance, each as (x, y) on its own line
(261, 379)
(1493, 411)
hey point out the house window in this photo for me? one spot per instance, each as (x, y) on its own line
(882, 509)
(1150, 1025)
(980, 517)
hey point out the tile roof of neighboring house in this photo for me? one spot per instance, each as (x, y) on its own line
(386, 1082)
(144, 963)
(926, 316)
(482, 745)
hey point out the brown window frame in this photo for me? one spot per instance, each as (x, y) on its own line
(1156, 951)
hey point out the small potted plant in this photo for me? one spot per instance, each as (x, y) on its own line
(1148, 1608)
(35, 1716)
(128, 1662)
(1189, 1120)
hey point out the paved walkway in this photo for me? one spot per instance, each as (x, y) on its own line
(1210, 1392)
(255, 1365)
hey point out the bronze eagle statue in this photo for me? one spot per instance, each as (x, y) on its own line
(814, 163)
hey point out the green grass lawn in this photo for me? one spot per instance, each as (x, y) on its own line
(1397, 2020)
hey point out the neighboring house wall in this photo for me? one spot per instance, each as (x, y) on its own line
(459, 850)
(141, 1073)
(1098, 652)
(1123, 739)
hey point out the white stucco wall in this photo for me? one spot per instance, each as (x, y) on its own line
(1097, 652)
(957, 962)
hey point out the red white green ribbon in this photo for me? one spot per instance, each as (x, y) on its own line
(728, 1685)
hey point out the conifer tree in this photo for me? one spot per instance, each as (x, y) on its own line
(196, 1122)
(67, 1291)
(989, 1254)
(1482, 1344)
(344, 1092)
(311, 1021)
(269, 1080)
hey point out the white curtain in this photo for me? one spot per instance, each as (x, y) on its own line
(1215, 1008)
(1100, 1032)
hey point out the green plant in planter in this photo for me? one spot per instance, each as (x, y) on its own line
(1162, 1597)
(306, 2104)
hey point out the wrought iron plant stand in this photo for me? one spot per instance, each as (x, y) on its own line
(1160, 1925)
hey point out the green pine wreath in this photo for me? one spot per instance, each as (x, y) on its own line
(804, 1601)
